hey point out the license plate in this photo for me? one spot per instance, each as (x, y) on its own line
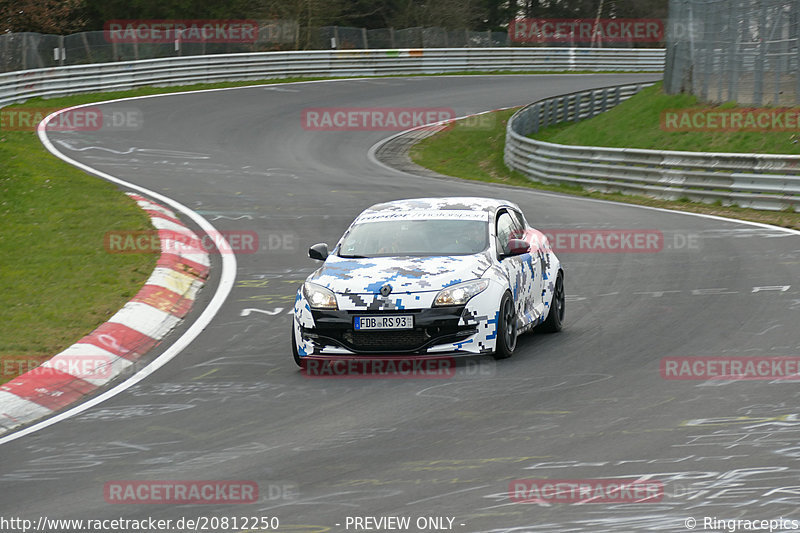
(363, 323)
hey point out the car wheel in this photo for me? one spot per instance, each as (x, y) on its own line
(296, 355)
(555, 318)
(506, 329)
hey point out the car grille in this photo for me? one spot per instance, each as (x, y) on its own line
(431, 326)
(386, 340)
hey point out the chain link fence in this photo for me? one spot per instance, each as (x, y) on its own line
(744, 51)
(22, 51)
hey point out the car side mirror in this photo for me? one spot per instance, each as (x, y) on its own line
(518, 247)
(318, 251)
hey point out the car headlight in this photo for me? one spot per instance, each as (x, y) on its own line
(461, 293)
(319, 297)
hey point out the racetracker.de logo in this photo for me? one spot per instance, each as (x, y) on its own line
(730, 368)
(166, 241)
(79, 119)
(585, 491)
(747, 119)
(540, 30)
(180, 492)
(372, 118)
(429, 368)
(187, 31)
(79, 366)
(605, 241)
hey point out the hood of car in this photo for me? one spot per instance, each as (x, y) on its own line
(403, 274)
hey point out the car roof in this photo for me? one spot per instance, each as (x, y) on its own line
(466, 203)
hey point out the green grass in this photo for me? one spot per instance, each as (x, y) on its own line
(636, 123)
(57, 282)
(476, 152)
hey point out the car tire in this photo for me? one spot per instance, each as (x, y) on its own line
(555, 319)
(506, 328)
(296, 355)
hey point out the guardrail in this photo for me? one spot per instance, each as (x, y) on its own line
(760, 181)
(19, 86)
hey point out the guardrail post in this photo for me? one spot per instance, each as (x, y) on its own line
(576, 108)
(603, 102)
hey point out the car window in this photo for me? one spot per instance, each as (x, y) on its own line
(508, 227)
(520, 220)
(415, 237)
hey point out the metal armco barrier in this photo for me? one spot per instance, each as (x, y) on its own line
(761, 181)
(18, 86)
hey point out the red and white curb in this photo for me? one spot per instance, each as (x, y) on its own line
(110, 349)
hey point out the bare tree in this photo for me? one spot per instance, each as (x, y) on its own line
(43, 16)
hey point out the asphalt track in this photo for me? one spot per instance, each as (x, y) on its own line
(587, 403)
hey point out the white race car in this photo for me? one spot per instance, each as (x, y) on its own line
(429, 277)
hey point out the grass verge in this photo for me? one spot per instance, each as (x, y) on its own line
(637, 123)
(57, 282)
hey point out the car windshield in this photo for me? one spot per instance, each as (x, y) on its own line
(415, 237)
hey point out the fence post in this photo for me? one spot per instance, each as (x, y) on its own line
(6, 65)
(364, 35)
(87, 47)
(391, 38)
(733, 60)
(758, 89)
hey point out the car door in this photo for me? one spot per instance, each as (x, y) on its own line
(523, 271)
(539, 264)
